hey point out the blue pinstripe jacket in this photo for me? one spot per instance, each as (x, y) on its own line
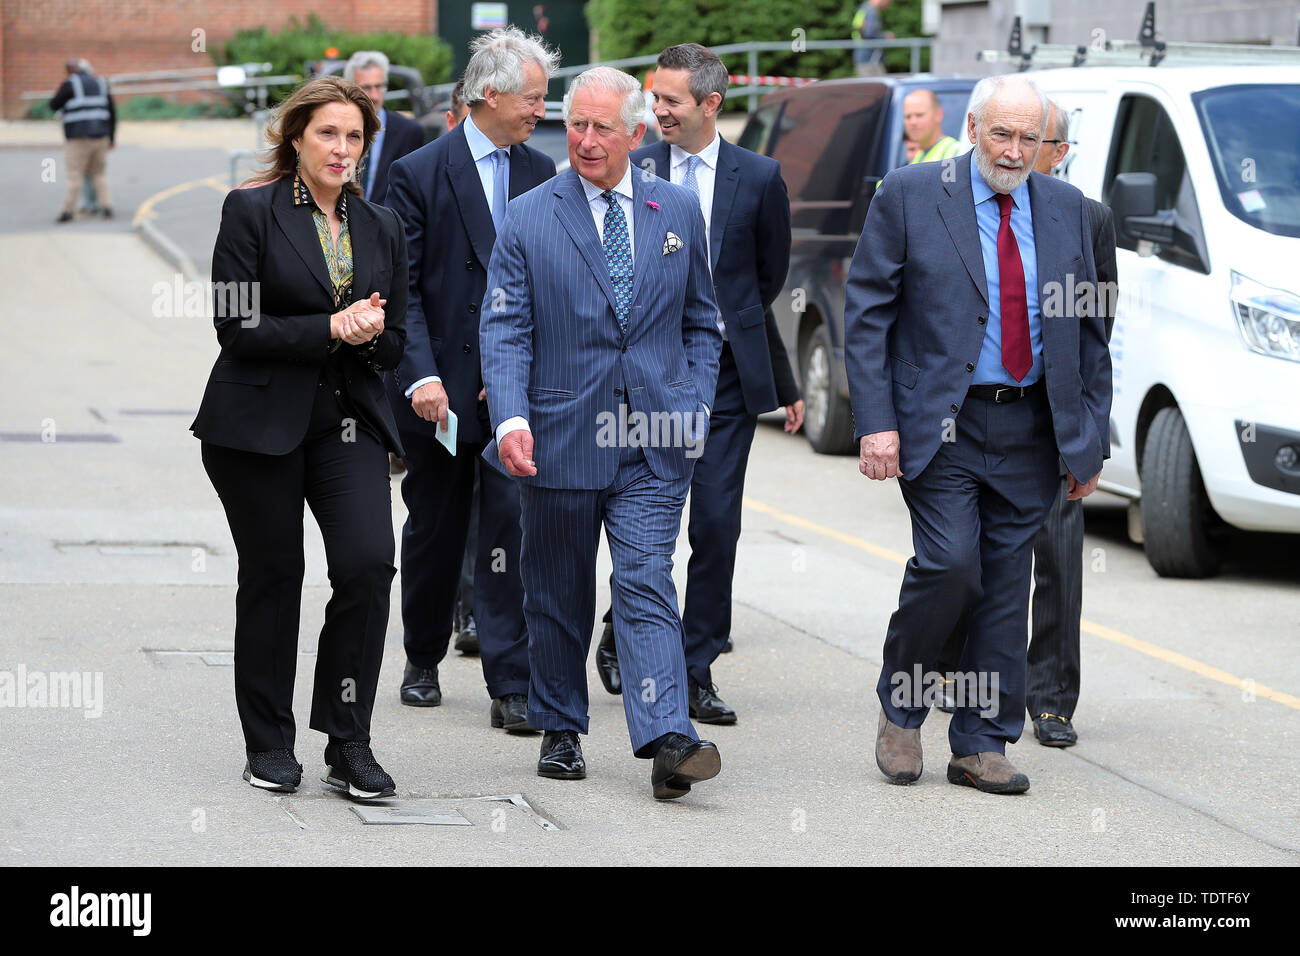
(552, 349)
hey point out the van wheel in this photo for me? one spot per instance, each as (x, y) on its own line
(1183, 535)
(828, 419)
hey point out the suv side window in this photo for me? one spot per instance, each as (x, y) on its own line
(1145, 141)
(824, 142)
(758, 131)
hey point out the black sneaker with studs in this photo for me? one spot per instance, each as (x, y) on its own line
(350, 766)
(275, 770)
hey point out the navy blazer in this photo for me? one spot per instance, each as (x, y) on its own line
(401, 136)
(553, 352)
(917, 305)
(437, 192)
(749, 253)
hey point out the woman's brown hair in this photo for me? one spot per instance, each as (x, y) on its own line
(290, 121)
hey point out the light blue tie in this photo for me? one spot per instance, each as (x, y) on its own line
(500, 159)
(690, 182)
(618, 255)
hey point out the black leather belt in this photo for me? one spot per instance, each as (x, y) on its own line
(1002, 393)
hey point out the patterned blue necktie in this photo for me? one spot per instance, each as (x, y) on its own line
(618, 255)
(499, 200)
(689, 181)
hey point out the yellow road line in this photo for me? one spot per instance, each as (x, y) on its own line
(1097, 630)
(146, 210)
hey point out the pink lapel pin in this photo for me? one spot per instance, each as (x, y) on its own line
(652, 204)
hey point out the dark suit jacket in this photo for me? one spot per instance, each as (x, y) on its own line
(917, 307)
(449, 234)
(402, 136)
(749, 252)
(1102, 226)
(260, 393)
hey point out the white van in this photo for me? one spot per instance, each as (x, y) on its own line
(1201, 168)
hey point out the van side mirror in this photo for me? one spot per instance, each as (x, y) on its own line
(1133, 203)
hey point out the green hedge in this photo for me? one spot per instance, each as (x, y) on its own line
(628, 28)
(291, 48)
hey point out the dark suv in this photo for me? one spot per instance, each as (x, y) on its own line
(835, 140)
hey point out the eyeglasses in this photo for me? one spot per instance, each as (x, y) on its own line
(1055, 141)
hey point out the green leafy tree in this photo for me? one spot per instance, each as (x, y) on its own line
(290, 49)
(627, 28)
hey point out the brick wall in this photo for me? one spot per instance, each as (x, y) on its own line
(133, 36)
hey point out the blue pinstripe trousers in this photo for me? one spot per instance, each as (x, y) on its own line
(641, 514)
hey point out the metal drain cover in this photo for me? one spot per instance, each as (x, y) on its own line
(429, 816)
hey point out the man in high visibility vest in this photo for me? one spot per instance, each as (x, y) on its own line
(923, 125)
(89, 125)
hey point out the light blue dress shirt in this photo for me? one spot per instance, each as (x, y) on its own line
(989, 369)
(376, 150)
(480, 149)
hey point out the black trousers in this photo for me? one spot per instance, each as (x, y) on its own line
(438, 489)
(1057, 605)
(342, 475)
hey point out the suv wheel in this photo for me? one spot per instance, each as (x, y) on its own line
(1184, 537)
(828, 418)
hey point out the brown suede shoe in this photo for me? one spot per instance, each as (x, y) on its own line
(898, 751)
(991, 772)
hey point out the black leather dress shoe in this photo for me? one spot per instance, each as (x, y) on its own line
(728, 647)
(681, 762)
(706, 706)
(1054, 731)
(510, 713)
(420, 686)
(607, 662)
(561, 757)
(466, 631)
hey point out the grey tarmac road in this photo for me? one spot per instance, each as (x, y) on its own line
(115, 561)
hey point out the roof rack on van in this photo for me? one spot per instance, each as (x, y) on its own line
(1145, 51)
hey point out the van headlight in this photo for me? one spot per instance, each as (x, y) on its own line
(1268, 319)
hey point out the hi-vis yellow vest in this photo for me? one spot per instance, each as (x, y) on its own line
(945, 147)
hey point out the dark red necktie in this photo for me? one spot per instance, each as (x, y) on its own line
(1016, 355)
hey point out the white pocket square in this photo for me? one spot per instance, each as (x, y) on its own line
(672, 243)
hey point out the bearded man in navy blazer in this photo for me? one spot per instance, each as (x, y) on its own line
(747, 220)
(981, 388)
(451, 196)
(600, 357)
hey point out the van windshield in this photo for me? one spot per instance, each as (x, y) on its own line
(1253, 132)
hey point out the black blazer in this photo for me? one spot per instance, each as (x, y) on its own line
(401, 136)
(749, 253)
(260, 393)
(1102, 225)
(437, 193)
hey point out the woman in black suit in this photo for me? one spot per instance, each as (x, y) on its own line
(310, 288)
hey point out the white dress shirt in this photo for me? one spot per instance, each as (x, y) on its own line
(598, 206)
(480, 149)
(706, 174)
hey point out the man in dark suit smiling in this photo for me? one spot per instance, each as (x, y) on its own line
(451, 195)
(747, 221)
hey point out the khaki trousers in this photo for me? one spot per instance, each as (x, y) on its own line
(87, 155)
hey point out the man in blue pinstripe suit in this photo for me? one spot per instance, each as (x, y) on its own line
(600, 356)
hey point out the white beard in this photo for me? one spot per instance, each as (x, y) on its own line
(1002, 179)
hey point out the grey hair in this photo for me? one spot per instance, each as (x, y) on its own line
(497, 61)
(615, 81)
(365, 60)
(707, 74)
(986, 88)
(1061, 128)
